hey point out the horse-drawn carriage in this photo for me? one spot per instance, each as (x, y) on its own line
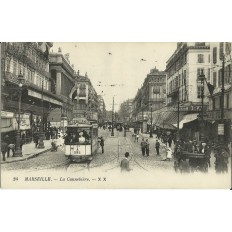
(190, 162)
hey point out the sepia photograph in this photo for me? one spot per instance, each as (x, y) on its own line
(116, 115)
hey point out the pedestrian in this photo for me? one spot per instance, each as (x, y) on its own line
(208, 153)
(143, 147)
(102, 144)
(36, 140)
(125, 163)
(137, 138)
(23, 138)
(157, 147)
(4, 149)
(169, 153)
(11, 147)
(170, 141)
(147, 148)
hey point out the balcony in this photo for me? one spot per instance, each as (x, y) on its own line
(26, 107)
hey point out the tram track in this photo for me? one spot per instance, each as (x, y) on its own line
(134, 152)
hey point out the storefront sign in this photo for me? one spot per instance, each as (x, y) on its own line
(5, 114)
(220, 129)
(24, 121)
(192, 108)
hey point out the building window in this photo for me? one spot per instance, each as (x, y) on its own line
(215, 79)
(209, 58)
(199, 72)
(228, 48)
(213, 104)
(220, 102)
(228, 74)
(221, 54)
(208, 76)
(8, 65)
(15, 67)
(219, 77)
(227, 101)
(215, 55)
(199, 89)
(200, 58)
(200, 44)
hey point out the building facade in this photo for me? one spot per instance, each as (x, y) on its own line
(149, 98)
(184, 86)
(221, 78)
(101, 110)
(84, 98)
(32, 61)
(125, 111)
(62, 82)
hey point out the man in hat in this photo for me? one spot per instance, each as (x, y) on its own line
(157, 147)
(125, 163)
(102, 144)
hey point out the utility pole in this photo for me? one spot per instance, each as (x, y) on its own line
(41, 129)
(223, 89)
(202, 123)
(151, 129)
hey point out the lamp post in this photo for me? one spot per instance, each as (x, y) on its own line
(18, 150)
(142, 117)
(112, 132)
(202, 123)
(151, 129)
(178, 117)
(221, 126)
(41, 129)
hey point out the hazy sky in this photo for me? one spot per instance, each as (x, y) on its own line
(123, 68)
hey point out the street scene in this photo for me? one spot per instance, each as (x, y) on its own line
(155, 114)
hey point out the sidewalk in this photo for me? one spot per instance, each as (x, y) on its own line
(29, 151)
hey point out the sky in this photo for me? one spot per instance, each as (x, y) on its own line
(122, 68)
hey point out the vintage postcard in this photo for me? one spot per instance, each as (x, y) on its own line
(116, 115)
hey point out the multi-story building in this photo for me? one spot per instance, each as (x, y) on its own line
(184, 67)
(32, 61)
(62, 82)
(101, 110)
(85, 98)
(221, 75)
(149, 98)
(125, 111)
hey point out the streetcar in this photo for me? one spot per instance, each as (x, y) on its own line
(81, 140)
(119, 126)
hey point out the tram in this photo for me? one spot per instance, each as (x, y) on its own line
(119, 126)
(81, 140)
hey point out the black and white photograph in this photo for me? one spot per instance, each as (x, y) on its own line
(116, 115)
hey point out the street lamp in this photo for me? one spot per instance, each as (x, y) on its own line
(221, 126)
(178, 114)
(202, 124)
(112, 132)
(151, 129)
(18, 150)
(41, 129)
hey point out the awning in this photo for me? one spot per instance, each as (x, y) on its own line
(169, 118)
(187, 118)
(45, 98)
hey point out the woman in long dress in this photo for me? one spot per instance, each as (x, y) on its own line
(169, 153)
